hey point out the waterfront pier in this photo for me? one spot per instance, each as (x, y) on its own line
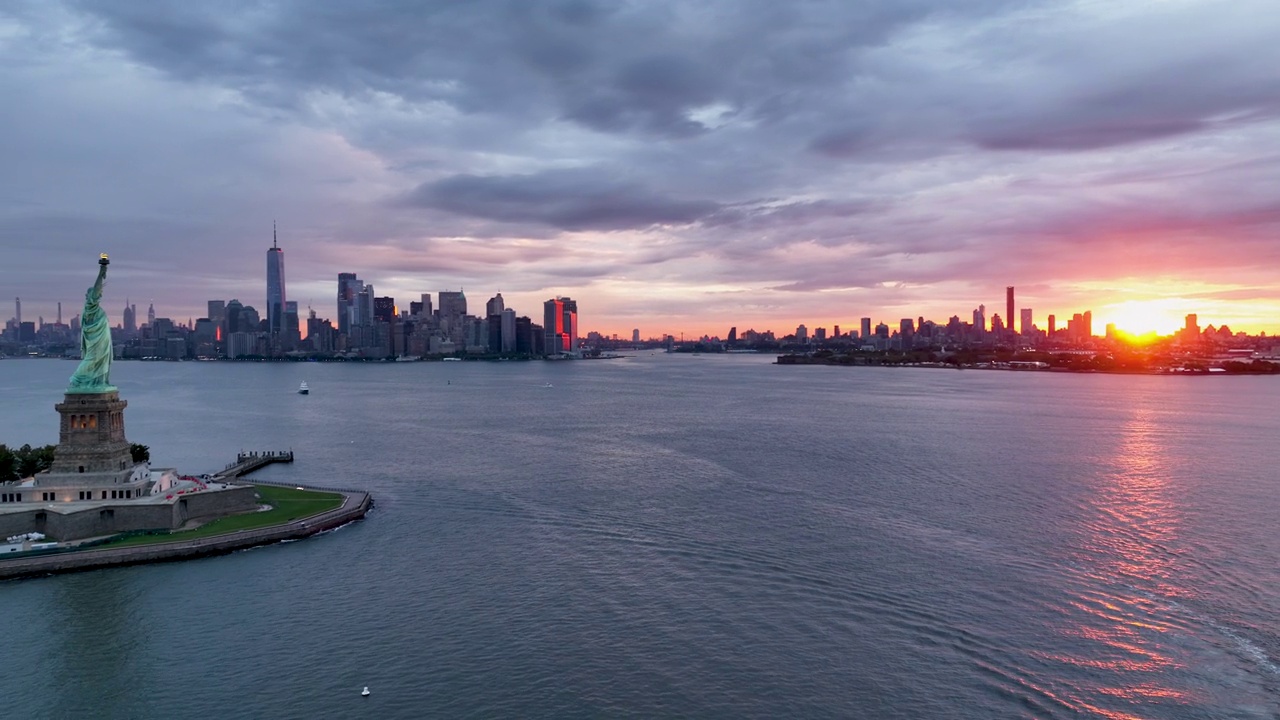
(247, 462)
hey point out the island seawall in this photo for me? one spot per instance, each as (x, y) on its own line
(355, 504)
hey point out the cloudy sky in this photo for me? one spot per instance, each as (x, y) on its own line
(674, 166)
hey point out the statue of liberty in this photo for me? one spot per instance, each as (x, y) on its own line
(94, 372)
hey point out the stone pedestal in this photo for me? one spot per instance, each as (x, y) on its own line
(93, 460)
(91, 438)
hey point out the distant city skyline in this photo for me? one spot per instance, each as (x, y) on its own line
(1164, 317)
(676, 167)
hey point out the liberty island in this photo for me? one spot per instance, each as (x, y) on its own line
(98, 488)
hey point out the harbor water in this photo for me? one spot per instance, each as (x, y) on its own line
(674, 536)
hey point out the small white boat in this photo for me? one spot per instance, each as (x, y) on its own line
(547, 385)
(303, 389)
(365, 691)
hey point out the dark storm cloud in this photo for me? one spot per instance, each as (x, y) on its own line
(810, 75)
(1089, 135)
(570, 200)
(610, 66)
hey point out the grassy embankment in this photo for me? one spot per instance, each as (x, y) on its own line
(287, 505)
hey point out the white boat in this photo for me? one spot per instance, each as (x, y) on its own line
(365, 691)
(303, 389)
(452, 359)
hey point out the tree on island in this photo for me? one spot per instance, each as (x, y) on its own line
(24, 462)
(27, 461)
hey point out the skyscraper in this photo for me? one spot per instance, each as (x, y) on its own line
(635, 335)
(130, 319)
(292, 328)
(508, 330)
(495, 306)
(560, 325)
(1008, 307)
(453, 305)
(233, 319)
(866, 328)
(151, 314)
(217, 313)
(571, 323)
(1191, 331)
(1024, 325)
(493, 312)
(275, 286)
(349, 287)
(363, 315)
(17, 302)
(384, 309)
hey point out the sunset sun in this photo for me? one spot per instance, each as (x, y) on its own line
(1141, 317)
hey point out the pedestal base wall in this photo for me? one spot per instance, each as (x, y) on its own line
(99, 519)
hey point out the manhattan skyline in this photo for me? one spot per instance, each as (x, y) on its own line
(674, 167)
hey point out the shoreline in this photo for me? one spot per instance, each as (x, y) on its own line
(791, 360)
(355, 505)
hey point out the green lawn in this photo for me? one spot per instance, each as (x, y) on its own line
(287, 505)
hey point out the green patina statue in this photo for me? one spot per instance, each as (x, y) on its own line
(94, 372)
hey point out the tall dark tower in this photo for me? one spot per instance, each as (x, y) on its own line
(275, 285)
(349, 288)
(1008, 307)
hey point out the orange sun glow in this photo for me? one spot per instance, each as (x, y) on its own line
(1142, 317)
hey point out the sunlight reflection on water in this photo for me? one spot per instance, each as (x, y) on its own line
(1129, 549)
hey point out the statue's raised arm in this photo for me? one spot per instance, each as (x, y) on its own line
(93, 375)
(102, 278)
